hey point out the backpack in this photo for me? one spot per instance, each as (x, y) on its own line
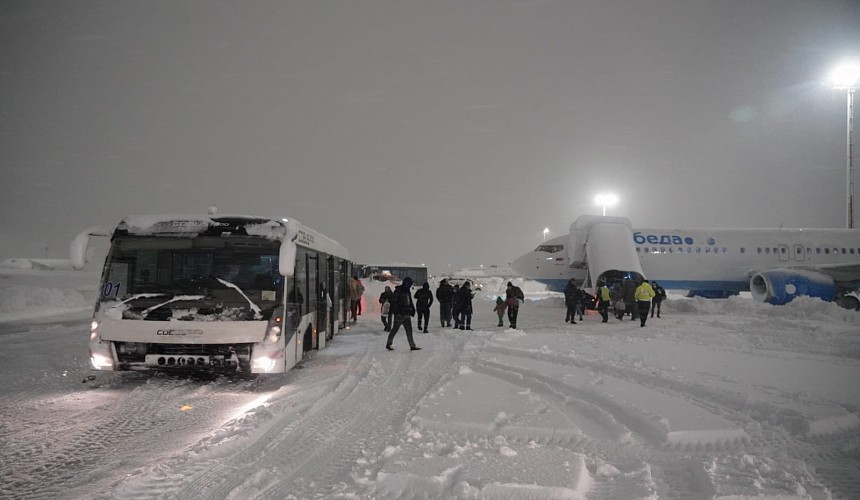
(519, 293)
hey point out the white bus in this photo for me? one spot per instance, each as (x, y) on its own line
(221, 293)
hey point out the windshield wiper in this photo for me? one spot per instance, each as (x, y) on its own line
(258, 313)
(174, 299)
(136, 297)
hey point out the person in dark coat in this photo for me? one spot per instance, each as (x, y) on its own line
(618, 300)
(513, 296)
(423, 301)
(629, 289)
(387, 314)
(659, 297)
(464, 304)
(572, 296)
(455, 306)
(444, 295)
(401, 302)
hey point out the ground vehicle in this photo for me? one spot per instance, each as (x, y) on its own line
(474, 283)
(217, 293)
(850, 300)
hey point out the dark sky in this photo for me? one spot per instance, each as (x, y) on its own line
(445, 132)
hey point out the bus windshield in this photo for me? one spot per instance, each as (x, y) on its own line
(207, 278)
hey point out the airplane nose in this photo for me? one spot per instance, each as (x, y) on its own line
(522, 265)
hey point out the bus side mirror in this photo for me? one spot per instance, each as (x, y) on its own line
(287, 259)
(78, 247)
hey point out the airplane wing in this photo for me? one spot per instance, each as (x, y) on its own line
(839, 272)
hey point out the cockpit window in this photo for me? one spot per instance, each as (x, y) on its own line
(550, 248)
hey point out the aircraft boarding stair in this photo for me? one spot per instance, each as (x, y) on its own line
(605, 245)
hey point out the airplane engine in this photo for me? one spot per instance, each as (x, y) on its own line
(781, 286)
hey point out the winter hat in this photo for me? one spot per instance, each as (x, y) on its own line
(445, 281)
(426, 285)
(498, 299)
(407, 282)
(510, 284)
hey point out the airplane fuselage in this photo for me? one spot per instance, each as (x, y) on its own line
(718, 259)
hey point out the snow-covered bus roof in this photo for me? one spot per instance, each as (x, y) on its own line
(193, 225)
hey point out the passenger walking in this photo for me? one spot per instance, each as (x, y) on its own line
(644, 294)
(464, 304)
(444, 295)
(571, 300)
(387, 314)
(659, 297)
(604, 296)
(629, 289)
(423, 301)
(513, 296)
(403, 311)
(455, 306)
(582, 303)
(500, 310)
(356, 289)
(618, 301)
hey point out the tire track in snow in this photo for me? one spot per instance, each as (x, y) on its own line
(316, 444)
(45, 462)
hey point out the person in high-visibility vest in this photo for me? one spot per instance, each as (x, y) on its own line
(604, 296)
(644, 294)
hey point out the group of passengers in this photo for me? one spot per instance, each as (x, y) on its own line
(455, 302)
(635, 297)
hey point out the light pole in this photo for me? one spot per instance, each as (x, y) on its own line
(604, 200)
(545, 232)
(847, 77)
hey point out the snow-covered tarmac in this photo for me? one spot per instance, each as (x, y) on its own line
(717, 399)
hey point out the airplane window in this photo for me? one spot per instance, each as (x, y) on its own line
(638, 249)
(550, 248)
(827, 251)
(782, 250)
(818, 250)
(725, 250)
(843, 251)
(851, 251)
(743, 250)
(767, 250)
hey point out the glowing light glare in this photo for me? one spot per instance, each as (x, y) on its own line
(100, 362)
(846, 76)
(186, 408)
(605, 200)
(247, 408)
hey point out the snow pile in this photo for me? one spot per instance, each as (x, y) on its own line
(24, 301)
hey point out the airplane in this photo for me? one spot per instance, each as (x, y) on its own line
(774, 265)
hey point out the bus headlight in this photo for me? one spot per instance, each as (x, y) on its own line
(273, 332)
(101, 361)
(264, 364)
